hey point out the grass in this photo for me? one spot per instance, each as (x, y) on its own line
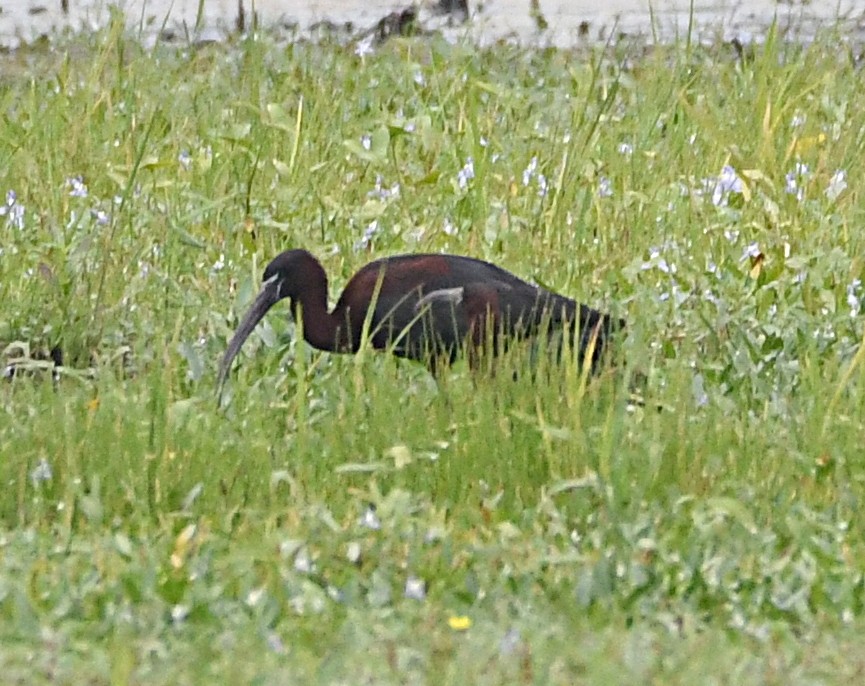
(345, 520)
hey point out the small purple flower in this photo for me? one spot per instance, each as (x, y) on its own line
(626, 149)
(368, 234)
(793, 181)
(529, 171)
(854, 297)
(185, 159)
(728, 182)
(466, 174)
(77, 186)
(751, 251)
(41, 472)
(13, 211)
(605, 187)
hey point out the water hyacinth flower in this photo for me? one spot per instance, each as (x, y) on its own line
(753, 251)
(466, 174)
(41, 472)
(369, 519)
(382, 193)
(837, 184)
(728, 182)
(854, 297)
(793, 180)
(626, 149)
(415, 588)
(364, 47)
(605, 187)
(529, 172)
(77, 186)
(368, 234)
(13, 211)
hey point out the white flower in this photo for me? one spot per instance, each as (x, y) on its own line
(370, 520)
(415, 588)
(837, 184)
(364, 47)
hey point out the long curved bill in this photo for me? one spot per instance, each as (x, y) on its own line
(265, 299)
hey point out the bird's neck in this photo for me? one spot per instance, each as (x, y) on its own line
(320, 328)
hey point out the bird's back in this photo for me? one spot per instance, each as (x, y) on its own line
(471, 291)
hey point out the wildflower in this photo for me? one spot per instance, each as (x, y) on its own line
(466, 174)
(13, 211)
(854, 296)
(79, 188)
(302, 561)
(542, 185)
(100, 216)
(605, 189)
(366, 141)
(753, 251)
(418, 78)
(41, 472)
(219, 265)
(364, 47)
(793, 179)
(626, 149)
(728, 182)
(179, 613)
(415, 588)
(529, 171)
(185, 159)
(459, 622)
(368, 234)
(353, 552)
(383, 193)
(370, 520)
(449, 228)
(837, 184)
(798, 120)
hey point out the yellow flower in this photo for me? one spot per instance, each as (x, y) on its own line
(459, 622)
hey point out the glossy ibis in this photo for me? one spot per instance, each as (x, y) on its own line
(424, 307)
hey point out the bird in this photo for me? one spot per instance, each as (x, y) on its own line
(425, 307)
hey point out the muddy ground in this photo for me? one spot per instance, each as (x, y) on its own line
(531, 22)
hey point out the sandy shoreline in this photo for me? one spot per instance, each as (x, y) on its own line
(567, 22)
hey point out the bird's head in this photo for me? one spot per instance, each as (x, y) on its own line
(286, 276)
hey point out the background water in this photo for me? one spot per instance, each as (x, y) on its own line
(567, 21)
